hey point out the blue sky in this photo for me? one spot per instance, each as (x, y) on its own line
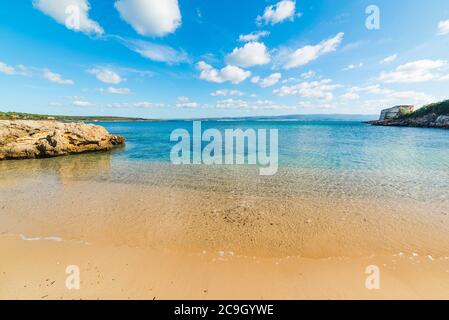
(202, 58)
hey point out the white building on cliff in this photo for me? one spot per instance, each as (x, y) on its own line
(396, 111)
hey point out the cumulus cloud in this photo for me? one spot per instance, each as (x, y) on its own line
(106, 75)
(113, 90)
(231, 104)
(251, 54)
(269, 81)
(184, 102)
(315, 105)
(74, 14)
(372, 89)
(56, 78)
(229, 73)
(416, 71)
(82, 103)
(388, 96)
(253, 36)
(277, 13)
(316, 89)
(389, 59)
(227, 92)
(308, 74)
(156, 52)
(150, 17)
(350, 96)
(412, 97)
(6, 69)
(353, 66)
(309, 53)
(142, 105)
(443, 27)
(250, 105)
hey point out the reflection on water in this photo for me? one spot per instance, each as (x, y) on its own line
(84, 166)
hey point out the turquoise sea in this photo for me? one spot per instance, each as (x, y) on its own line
(337, 145)
(342, 186)
(320, 158)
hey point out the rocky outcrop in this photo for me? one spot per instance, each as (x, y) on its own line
(434, 115)
(22, 139)
(431, 120)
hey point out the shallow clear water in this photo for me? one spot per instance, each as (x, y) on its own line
(343, 188)
(335, 145)
(316, 158)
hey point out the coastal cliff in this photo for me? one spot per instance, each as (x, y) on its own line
(24, 139)
(431, 116)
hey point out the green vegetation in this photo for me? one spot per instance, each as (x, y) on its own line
(29, 116)
(439, 108)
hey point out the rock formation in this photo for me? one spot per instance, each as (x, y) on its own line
(22, 139)
(434, 115)
(427, 121)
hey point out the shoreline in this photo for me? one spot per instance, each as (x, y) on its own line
(196, 220)
(405, 124)
(150, 230)
(37, 270)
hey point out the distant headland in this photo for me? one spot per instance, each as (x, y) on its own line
(435, 115)
(31, 116)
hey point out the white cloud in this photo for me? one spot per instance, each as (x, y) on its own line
(308, 74)
(251, 54)
(315, 89)
(389, 59)
(443, 27)
(151, 17)
(412, 97)
(353, 66)
(106, 75)
(253, 36)
(156, 52)
(8, 70)
(315, 105)
(268, 105)
(147, 105)
(143, 105)
(113, 90)
(290, 80)
(56, 78)
(310, 53)
(229, 73)
(227, 92)
(350, 96)
(23, 70)
(416, 71)
(249, 105)
(389, 96)
(269, 81)
(74, 14)
(231, 104)
(277, 13)
(184, 102)
(372, 89)
(82, 103)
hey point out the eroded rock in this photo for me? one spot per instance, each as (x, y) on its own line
(23, 139)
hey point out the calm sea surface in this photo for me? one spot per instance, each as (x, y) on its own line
(323, 157)
(335, 145)
(342, 188)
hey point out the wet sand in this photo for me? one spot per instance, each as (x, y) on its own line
(36, 270)
(193, 234)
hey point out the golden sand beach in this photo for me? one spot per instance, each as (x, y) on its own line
(203, 233)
